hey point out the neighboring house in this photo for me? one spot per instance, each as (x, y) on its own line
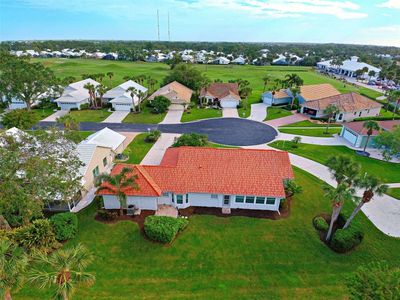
(240, 60)
(348, 67)
(222, 94)
(208, 177)
(221, 61)
(16, 103)
(283, 96)
(120, 98)
(316, 91)
(75, 95)
(281, 60)
(176, 92)
(350, 105)
(356, 134)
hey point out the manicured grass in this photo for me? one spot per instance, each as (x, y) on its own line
(41, 113)
(90, 115)
(215, 145)
(84, 134)
(388, 172)
(308, 123)
(226, 258)
(276, 113)
(394, 192)
(145, 116)
(137, 149)
(196, 113)
(317, 132)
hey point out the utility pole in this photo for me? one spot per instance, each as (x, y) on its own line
(169, 33)
(158, 25)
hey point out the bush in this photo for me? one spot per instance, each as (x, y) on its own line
(320, 224)
(73, 109)
(344, 240)
(153, 136)
(65, 225)
(107, 215)
(160, 104)
(85, 106)
(38, 235)
(163, 229)
(192, 139)
(20, 118)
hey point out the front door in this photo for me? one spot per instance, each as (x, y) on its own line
(227, 200)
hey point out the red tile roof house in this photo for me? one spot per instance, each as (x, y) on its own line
(222, 94)
(209, 177)
(356, 134)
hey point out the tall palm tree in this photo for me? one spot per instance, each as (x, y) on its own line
(100, 76)
(295, 91)
(101, 90)
(69, 122)
(343, 169)
(127, 77)
(266, 79)
(13, 263)
(117, 184)
(371, 186)
(331, 110)
(110, 76)
(63, 270)
(91, 90)
(370, 126)
(132, 92)
(140, 96)
(293, 80)
(395, 95)
(338, 196)
(245, 92)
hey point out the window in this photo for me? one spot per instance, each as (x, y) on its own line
(355, 113)
(226, 199)
(271, 201)
(165, 194)
(260, 200)
(96, 172)
(214, 196)
(359, 114)
(187, 198)
(179, 199)
(105, 161)
(239, 199)
(249, 199)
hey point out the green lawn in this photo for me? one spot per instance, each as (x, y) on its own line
(317, 132)
(388, 172)
(137, 149)
(145, 116)
(226, 258)
(215, 145)
(308, 123)
(196, 113)
(41, 113)
(84, 134)
(274, 112)
(394, 192)
(89, 115)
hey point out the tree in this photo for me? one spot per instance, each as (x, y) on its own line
(133, 93)
(185, 74)
(101, 90)
(371, 74)
(337, 197)
(331, 110)
(13, 263)
(160, 104)
(68, 122)
(359, 73)
(141, 97)
(92, 95)
(343, 169)
(266, 79)
(395, 95)
(192, 139)
(291, 188)
(118, 184)
(371, 186)
(68, 80)
(100, 76)
(293, 80)
(295, 91)
(389, 142)
(63, 270)
(370, 126)
(174, 61)
(20, 118)
(110, 76)
(375, 280)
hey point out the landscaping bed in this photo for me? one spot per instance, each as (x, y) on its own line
(316, 132)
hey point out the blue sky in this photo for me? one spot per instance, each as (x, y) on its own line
(342, 21)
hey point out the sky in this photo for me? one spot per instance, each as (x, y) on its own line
(375, 22)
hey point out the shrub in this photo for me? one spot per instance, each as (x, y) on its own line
(73, 109)
(192, 139)
(153, 136)
(38, 235)
(20, 118)
(85, 106)
(163, 229)
(160, 104)
(320, 224)
(344, 240)
(65, 225)
(107, 215)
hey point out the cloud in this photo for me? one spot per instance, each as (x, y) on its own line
(384, 35)
(390, 4)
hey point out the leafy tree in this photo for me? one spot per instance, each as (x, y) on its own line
(370, 126)
(69, 122)
(291, 188)
(117, 184)
(185, 74)
(192, 139)
(13, 263)
(160, 104)
(293, 80)
(20, 118)
(371, 74)
(389, 142)
(68, 80)
(63, 271)
(331, 110)
(174, 61)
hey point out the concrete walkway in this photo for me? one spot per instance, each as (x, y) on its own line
(156, 153)
(85, 201)
(258, 112)
(55, 116)
(286, 120)
(173, 115)
(230, 113)
(333, 141)
(116, 117)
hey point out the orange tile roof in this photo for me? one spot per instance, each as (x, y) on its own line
(216, 171)
(358, 126)
(220, 90)
(176, 92)
(281, 94)
(317, 91)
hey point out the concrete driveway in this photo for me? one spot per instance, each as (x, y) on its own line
(230, 113)
(116, 117)
(286, 120)
(55, 116)
(156, 153)
(174, 114)
(258, 112)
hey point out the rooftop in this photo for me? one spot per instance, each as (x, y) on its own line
(358, 127)
(317, 91)
(221, 90)
(174, 91)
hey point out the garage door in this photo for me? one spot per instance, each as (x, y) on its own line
(228, 104)
(349, 136)
(124, 107)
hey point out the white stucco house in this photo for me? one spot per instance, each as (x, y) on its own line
(121, 99)
(225, 95)
(208, 177)
(240, 60)
(75, 95)
(221, 61)
(348, 67)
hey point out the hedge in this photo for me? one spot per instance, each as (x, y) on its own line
(344, 240)
(38, 235)
(65, 225)
(320, 224)
(163, 229)
(397, 117)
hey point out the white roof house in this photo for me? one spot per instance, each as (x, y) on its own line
(106, 138)
(222, 60)
(240, 60)
(120, 98)
(348, 67)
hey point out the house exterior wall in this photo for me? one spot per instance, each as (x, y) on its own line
(359, 141)
(348, 116)
(229, 102)
(122, 106)
(68, 106)
(146, 203)
(267, 98)
(17, 105)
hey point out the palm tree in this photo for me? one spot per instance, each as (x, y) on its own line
(69, 122)
(91, 90)
(371, 185)
(110, 76)
(117, 184)
(13, 263)
(127, 77)
(331, 110)
(266, 79)
(100, 76)
(343, 169)
(395, 95)
(64, 270)
(371, 74)
(337, 196)
(140, 96)
(245, 92)
(293, 80)
(295, 91)
(370, 126)
(85, 76)
(291, 188)
(133, 92)
(101, 90)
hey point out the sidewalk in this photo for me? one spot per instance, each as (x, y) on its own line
(116, 117)
(258, 112)
(286, 120)
(156, 153)
(173, 115)
(55, 116)
(230, 113)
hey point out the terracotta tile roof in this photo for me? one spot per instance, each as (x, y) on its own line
(345, 103)
(317, 91)
(216, 171)
(358, 127)
(281, 94)
(176, 92)
(220, 90)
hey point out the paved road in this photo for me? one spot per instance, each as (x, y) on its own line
(227, 131)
